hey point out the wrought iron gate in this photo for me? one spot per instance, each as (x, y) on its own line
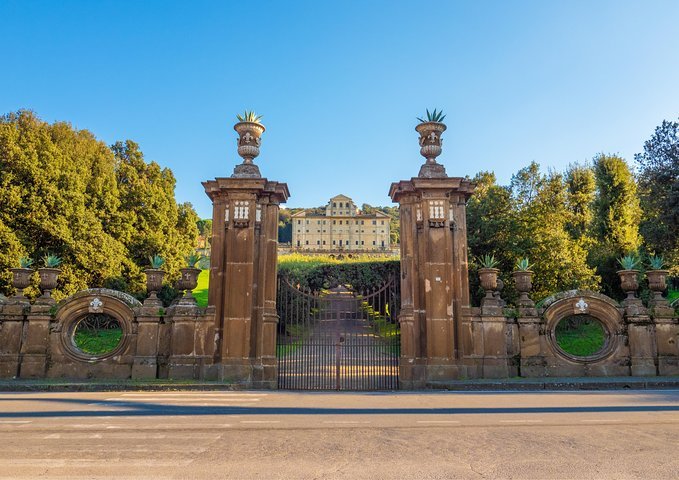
(338, 339)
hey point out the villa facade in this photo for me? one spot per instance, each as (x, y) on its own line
(343, 228)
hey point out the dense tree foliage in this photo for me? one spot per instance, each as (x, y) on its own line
(529, 218)
(617, 215)
(102, 209)
(659, 192)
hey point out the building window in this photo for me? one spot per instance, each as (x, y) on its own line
(382, 222)
(307, 222)
(356, 242)
(323, 242)
(374, 242)
(334, 242)
(334, 204)
(340, 222)
(362, 222)
(318, 222)
(307, 242)
(334, 222)
(299, 222)
(323, 222)
(318, 242)
(362, 242)
(298, 243)
(383, 243)
(374, 222)
(340, 204)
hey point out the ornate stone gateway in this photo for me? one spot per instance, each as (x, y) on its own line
(338, 339)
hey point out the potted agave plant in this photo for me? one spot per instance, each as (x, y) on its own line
(49, 274)
(629, 274)
(189, 275)
(488, 274)
(523, 279)
(21, 277)
(250, 130)
(430, 131)
(154, 275)
(657, 276)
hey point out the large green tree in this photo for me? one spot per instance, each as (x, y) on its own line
(659, 192)
(102, 210)
(616, 219)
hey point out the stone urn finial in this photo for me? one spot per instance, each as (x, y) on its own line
(430, 131)
(249, 129)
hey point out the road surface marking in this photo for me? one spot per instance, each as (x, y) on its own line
(600, 421)
(194, 399)
(197, 394)
(54, 435)
(16, 421)
(260, 421)
(347, 421)
(438, 421)
(520, 421)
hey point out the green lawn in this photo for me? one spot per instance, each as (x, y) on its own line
(201, 290)
(97, 341)
(585, 339)
(672, 295)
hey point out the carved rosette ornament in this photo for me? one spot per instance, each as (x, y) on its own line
(430, 148)
(249, 141)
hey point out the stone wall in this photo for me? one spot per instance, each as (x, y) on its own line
(37, 339)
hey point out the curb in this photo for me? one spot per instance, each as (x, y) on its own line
(544, 384)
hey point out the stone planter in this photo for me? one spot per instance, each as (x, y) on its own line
(488, 277)
(657, 282)
(21, 279)
(48, 280)
(249, 140)
(629, 282)
(430, 148)
(524, 284)
(154, 281)
(188, 281)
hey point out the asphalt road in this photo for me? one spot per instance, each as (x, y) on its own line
(287, 435)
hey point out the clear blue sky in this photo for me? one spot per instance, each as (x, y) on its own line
(340, 83)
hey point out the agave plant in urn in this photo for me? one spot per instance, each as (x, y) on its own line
(430, 131)
(154, 277)
(657, 278)
(629, 280)
(488, 274)
(21, 278)
(249, 129)
(189, 278)
(523, 279)
(48, 276)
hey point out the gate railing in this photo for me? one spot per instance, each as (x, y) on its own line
(337, 339)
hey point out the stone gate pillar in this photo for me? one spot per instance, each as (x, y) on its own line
(243, 267)
(434, 273)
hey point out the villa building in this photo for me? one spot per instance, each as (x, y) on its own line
(343, 228)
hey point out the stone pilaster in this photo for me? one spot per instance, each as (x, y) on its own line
(36, 341)
(642, 340)
(243, 277)
(667, 337)
(148, 320)
(434, 278)
(530, 342)
(191, 341)
(12, 318)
